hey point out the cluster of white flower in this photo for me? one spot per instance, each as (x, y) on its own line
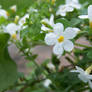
(57, 36)
(69, 6)
(12, 28)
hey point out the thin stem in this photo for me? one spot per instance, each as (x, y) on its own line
(82, 45)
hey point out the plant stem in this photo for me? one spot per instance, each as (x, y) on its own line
(82, 45)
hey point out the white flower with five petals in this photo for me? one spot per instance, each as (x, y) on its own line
(60, 39)
(83, 75)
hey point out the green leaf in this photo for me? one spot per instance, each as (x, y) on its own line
(65, 22)
(8, 69)
(89, 54)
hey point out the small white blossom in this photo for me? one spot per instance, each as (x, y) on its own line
(49, 22)
(63, 9)
(51, 66)
(11, 29)
(22, 21)
(69, 6)
(4, 13)
(83, 75)
(74, 3)
(31, 9)
(13, 8)
(61, 39)
(47, 82)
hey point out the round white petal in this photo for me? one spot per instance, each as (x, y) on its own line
(69, 33)
(58, 28)
(90, 12)
(3, 13)
(50, 39)
(58, 49)
(83, 16)
(68, 45)
(11, 28)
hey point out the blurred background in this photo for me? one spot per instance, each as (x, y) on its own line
(43, 52)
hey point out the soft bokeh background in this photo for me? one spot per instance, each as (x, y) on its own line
(43, 51)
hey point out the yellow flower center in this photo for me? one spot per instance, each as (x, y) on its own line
(14, 36)
(7, 13)
(50, 30)
(61, 39)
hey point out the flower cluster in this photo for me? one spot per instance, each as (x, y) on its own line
(69, 6)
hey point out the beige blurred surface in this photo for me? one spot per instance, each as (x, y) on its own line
(44, 52)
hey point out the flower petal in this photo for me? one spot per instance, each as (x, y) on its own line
(58, 49)
(44, 28)
(50, 39)
(58, 28)
(90, 84)
(68, 45)
(83, 16)
(90, 12)
(69, 33)
(52, 20)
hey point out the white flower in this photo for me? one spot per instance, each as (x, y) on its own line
(61, 39)
(47, 82)
(13, 8)
(51, 66)
(31, 9)
(23, 20)
(49, 22)
(4, 13)
(83, 75)
(74, 3)
(63, 9)
(12, 29)
(69, 6)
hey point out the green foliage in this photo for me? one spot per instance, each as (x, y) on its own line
(8, 69)
(62, 80)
